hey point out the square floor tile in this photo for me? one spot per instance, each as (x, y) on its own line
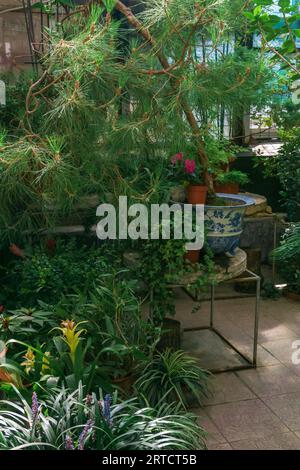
(287, 408)
(249, 419)
(271, 380)
(219, 447)
(226, 388)
(282, 349)
(212, 352)
(286, 441)
(214, 437)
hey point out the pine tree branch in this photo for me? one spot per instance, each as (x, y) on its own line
(190, 116)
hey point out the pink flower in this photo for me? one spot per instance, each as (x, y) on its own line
(190, 166)
(15, 250)
(177, 158)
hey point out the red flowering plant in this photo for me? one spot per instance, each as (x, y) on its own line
(185, 170)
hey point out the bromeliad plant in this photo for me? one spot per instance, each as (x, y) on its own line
(71, 336)
(60, 360)
(76, 421)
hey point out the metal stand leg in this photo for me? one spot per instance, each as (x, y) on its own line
(212, 305)
(256, 320)
(250, 362)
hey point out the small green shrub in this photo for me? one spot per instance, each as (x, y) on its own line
(288, 257)
(170, 377)
(48, 276)
(233, 176)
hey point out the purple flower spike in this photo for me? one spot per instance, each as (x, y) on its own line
(35, 409)
(69, 445)
(106, 411)
(83, 436)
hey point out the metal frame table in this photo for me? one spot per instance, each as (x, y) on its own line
(247, 276)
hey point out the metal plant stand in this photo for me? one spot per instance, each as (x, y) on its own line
(247, 276)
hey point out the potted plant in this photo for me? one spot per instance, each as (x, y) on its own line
(196, 190)
(230, 181)
(188, 174)
(172, 376)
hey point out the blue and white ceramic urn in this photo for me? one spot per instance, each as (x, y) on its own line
(224, 224)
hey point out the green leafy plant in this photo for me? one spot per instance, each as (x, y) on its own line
(288, 257)
(116, 323)
(114, 338)
(233, 176)
(288, 171)
(170, 377)
(279, 31)
(62, 359)
(269, 291)
(77, 421)
(48, 274)
(16, 90)
(286, 167)
(26, 323)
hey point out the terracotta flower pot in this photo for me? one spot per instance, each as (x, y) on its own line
(192, 256)
(196, 194)
(227, 188)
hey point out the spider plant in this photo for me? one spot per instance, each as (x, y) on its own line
(287, 255)
(173, 376)
(70, 421)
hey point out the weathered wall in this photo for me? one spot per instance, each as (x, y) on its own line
(14, 47)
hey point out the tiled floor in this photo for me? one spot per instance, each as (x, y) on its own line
(257, 408)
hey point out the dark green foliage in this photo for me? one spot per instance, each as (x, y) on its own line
(163, 264)
(269, 291)
(48, 276)
(286, 167)
(288, 171)
(16, 90)
(288, 258)
(279, 32)
(233, 176)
